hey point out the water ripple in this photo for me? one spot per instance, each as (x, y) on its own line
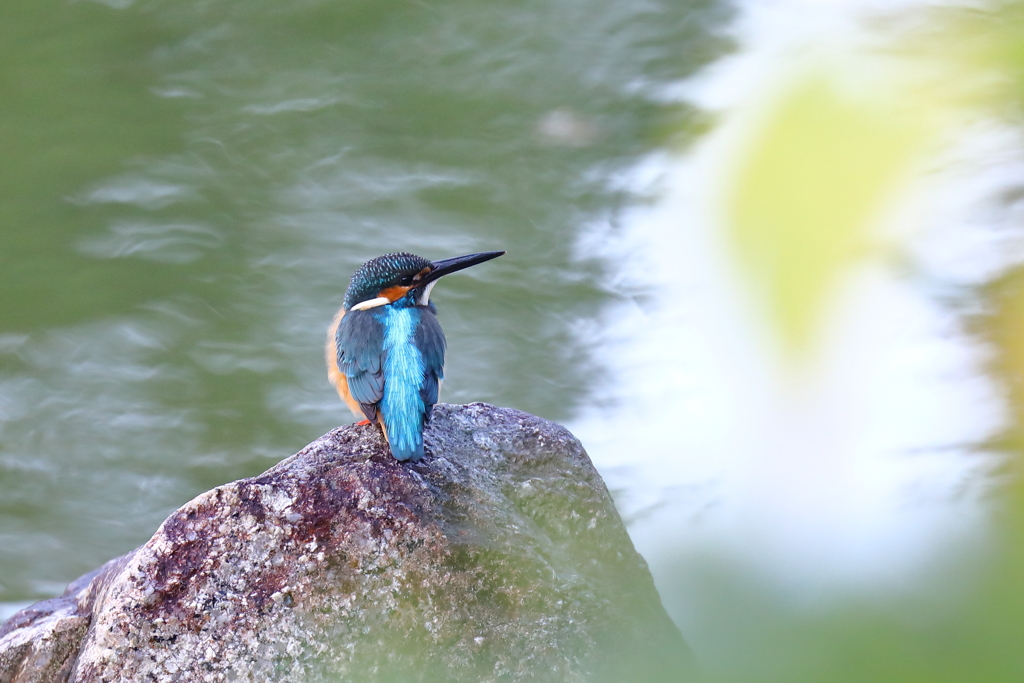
(177, 244)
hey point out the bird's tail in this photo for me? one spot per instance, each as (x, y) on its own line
(404, 437)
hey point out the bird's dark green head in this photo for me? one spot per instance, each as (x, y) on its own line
(391, 277)
(375, 277)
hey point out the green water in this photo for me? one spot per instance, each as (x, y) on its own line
(186, 187)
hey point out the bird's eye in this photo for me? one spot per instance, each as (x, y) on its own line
(406, 280)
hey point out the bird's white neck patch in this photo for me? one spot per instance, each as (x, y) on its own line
(425, 296)
(371, 303)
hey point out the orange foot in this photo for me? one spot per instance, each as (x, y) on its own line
(362, 422)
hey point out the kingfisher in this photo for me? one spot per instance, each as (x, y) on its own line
(385, 347)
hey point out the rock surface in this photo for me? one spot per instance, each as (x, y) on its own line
(500, 556)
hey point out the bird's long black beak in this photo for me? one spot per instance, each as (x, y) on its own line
(450, 265)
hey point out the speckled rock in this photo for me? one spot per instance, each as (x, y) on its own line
(41, 642)
(499, 557)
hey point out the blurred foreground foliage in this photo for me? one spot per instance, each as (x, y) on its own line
(803, 203)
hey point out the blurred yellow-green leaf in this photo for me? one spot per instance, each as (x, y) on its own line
(804, 199)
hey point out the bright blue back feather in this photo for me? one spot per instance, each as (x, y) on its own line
(413, 365)
(402, 407)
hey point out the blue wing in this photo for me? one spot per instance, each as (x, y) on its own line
(360, 343)
(431, 344)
